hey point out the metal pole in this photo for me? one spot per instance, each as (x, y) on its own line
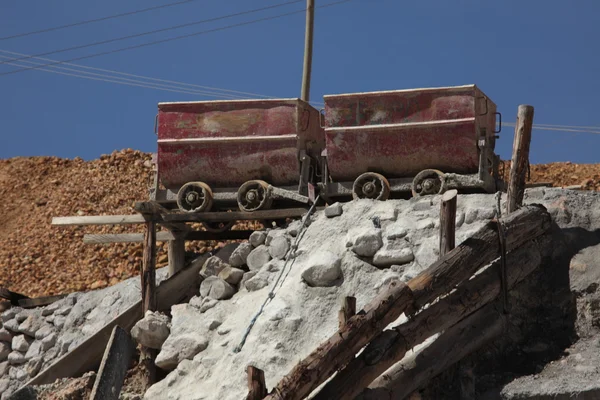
(308, 45)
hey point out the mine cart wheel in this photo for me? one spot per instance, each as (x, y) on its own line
(371, 185)
(253, 196)
(194, 197)
(221, 226)
(429, 181)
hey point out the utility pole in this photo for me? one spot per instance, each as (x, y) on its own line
(308, 45)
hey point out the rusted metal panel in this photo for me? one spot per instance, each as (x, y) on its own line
(226, 143)
(400, 133)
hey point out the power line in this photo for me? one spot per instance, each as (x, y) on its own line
(173, 38)
(190, 85)
(95, 20)
(136, 35)
(566, 128)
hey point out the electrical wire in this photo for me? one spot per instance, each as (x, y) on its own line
(95, 20)
(173, 38)
(136, 35)
(566, 128)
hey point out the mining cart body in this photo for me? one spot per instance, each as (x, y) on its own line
(214, 154)
(423, 141)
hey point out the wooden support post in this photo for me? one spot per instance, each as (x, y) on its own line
(257, 389)
(470, 334)
(447, 221)
(520, 158)
(148, 275)
(347, 311)
(467, 382)
(308, 46)
(440, 278)
(176, 252)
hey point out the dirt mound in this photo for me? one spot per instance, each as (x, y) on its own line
(37, 259)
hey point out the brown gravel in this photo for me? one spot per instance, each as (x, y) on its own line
(37, 259)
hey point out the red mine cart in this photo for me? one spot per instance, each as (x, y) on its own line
(423, 141)
(215, 155)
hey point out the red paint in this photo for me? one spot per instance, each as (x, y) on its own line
(229, 164)
(400, 133)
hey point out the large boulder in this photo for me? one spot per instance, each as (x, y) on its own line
(258, 257)
(152, 330)
(324, 269)
(212, 267)
(365, 242)
(240, 255)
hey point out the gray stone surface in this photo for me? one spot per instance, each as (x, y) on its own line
(5, 336)
(246, 277)
(258, 257)
(279, 247)
(365, 242)
(4, 351)
(12, 325)
(396, 231)
(35, 350)
(34, 366)
(21, 343)
(240, 255)
(257, 238)
(16, 358)
(44, 331)
(4, 366)
(334, 210)
(258, 281)
(30, 325)
(49, 341)
(232, 275)
(152, 330)
(396, 252)
(323, 269)
(10, 313)
(212, 266)
(216, 288)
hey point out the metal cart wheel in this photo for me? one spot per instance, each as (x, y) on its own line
(254, 195)
(194, 197)
(371, 185)
(218, 226)
(429, 181)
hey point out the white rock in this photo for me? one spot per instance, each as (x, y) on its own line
(258, 281)
(294, 228)
(257, 238)
(471, 216)
(4, 351)
(4, 369)
(4, 385)
(396, 231)
(460, 218)
(212, 267)
(10, 314)
(31, 325)
(216, 288)
(16, 358)
(240, 255)
(486, 213)
(20, 343)
(279, 247)
(35, 350)
(231, 275)
(207, 304)
(334, 210)
(49, 341)
(185, 348)
(425, 224)
(12, 325)
(272, 234)
(59, 322)
(34, 366)
(324, 268)
(258, 257)
(397, 252)
(365, 242)
(246, 277)
(22, 316)
(5, 336)
(44, 331)
(152, 330)
(63, 311)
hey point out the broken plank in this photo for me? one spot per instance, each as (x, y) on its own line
(114, 366)
(98, 220)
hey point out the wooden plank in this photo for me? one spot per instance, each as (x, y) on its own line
(88, 354)
(154, 210)
(520, 158)
(237, 215)
(391, 345)
(40, 301)
(257, 388)
(149, 302)
(163, 236)
(176, 253)
(114, 366)
(98, 220)
(440, 278)
(464, 338)
(448, 221)
(11, 296)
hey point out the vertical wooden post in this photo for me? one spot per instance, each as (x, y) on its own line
(467, 382)
(308, 46)
(148, 275)
(347, 311)
(520, 158)
(176, 252)
(448, 221)
(257, 389)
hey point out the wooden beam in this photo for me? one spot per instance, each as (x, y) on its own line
(440, 278)
(464, 338)
(114, 366)
(40, 301)
(237, 215)
(149, 302)
(448, 221)
(391, 345)
(520, 158)
(164, 236)
(347, 311)
(11, 296)
(98, 220)
(176, 253)
(257, 389)
(88, 354)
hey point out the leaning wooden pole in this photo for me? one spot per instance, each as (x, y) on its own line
(448, 221)
(308, 48)
(391, 345)
(520, 158)
(464, 338)
(257, 389)
(148, 275)
(440, 278)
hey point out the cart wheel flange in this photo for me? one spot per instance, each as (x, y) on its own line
(429, 181)
(371, 185)
(194, 197)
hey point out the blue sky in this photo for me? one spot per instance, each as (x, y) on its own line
(538, 52)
